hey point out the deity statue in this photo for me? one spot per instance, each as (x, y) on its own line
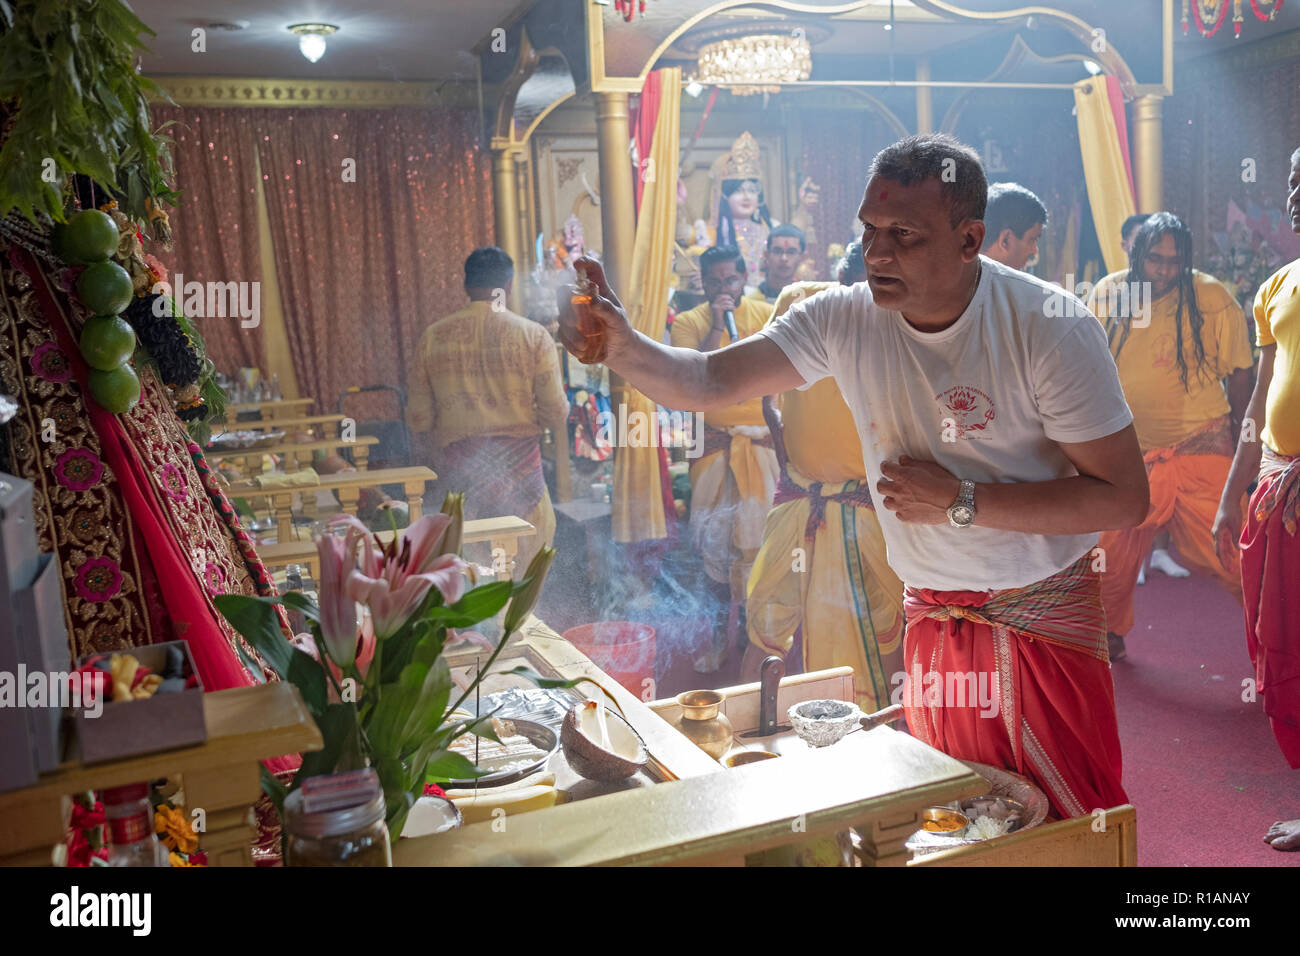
(575, 243)
(743, 219)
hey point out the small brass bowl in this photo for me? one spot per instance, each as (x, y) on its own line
(946, 816)
(742, 757)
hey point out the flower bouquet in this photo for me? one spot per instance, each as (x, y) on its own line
(371, 670)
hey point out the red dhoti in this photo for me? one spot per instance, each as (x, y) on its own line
(1270, 577)
(1041, 650)
(1186, 482)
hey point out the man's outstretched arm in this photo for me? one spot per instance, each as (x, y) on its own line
(676, 378)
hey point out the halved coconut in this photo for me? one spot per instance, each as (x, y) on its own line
(600, 745)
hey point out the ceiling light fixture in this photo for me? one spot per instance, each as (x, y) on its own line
(752, 64)
(311, 38)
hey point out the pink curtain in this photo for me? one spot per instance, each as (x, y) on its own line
(215, 223)
(372, 214)
(1116, 99)
(836, 153)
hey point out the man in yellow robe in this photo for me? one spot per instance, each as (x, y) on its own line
(825, 571)
(483, 384)
(1176, 348)
(733, 481)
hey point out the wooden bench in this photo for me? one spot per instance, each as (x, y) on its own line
(271, 408)
(502, 534)
(287, 423)
(413, 480)
(297, 454)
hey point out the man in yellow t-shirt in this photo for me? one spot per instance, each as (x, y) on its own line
(1270, 542)
(827, 578)
(733, 481)
(482, 385)
(1179, 341)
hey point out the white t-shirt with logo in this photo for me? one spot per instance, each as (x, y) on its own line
(988, 398)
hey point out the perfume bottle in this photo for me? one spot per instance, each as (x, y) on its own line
(590, 327)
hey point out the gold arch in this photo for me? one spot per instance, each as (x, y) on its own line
(874, 104)
(1082, 30)
(1015, 56)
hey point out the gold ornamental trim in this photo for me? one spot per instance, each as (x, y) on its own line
(261, 91)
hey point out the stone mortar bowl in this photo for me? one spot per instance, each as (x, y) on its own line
(820, 723)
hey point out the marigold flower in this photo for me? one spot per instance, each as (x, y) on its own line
(174, 830)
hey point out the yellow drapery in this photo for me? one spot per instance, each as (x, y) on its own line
(1109, 193)
(279, 360)
(638, 513)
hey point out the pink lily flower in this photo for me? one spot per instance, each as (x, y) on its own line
(365, 654)
(338, 609)
(394, 581)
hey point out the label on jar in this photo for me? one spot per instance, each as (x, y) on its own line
(123, 830)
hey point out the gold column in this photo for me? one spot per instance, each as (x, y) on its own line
(1148, 140)
(924, 103)
(524, 199)
(506, 203)
(617, 196)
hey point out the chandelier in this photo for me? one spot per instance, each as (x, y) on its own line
(1210, 14)
(753, 64)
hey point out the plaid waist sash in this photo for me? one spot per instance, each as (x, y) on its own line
(1215, 438)
(1284, 492)
(499, 475)
(1063, 609)
(719, 439)
(854, 493)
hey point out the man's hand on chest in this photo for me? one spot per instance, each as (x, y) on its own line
(918, 492)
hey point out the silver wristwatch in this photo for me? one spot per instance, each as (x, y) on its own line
(961, 513)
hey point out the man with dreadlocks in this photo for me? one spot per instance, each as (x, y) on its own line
(1176, 348)
(1269, 449)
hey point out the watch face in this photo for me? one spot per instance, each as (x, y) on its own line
(961, 515)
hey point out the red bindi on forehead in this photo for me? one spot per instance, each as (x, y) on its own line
(884, 194)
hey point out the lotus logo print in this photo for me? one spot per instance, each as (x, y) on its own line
(970, 409)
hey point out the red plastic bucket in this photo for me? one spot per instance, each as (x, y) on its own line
(622, 649)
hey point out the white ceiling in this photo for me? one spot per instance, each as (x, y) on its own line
(377, 40)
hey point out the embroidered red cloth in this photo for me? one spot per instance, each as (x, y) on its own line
(1270, 578)
(1043, 707)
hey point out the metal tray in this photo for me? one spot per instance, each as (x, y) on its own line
(539, 735)
(1002, 783)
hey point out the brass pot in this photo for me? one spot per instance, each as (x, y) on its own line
(702, 723)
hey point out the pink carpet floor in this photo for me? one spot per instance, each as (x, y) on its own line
(1200, 764)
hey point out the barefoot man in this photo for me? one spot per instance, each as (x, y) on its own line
(997, 439)
(1270, 541)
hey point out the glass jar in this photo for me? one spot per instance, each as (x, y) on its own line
(347, 836)
(129, 815)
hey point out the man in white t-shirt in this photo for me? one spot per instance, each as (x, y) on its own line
(997, 438)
